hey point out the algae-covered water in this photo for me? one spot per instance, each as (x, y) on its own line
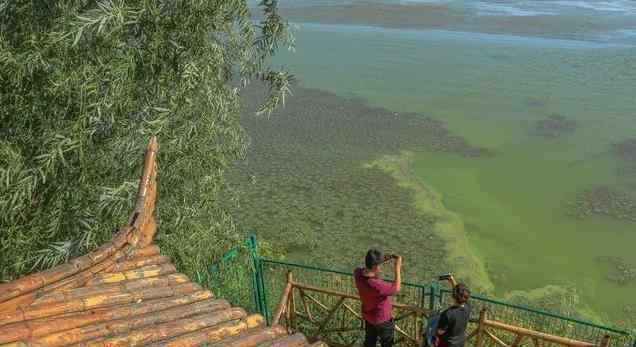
(492, 89)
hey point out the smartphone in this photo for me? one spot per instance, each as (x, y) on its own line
(444, 277)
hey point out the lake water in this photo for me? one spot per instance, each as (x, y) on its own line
(492, 87)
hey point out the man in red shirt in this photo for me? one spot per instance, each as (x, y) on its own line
(375, 295)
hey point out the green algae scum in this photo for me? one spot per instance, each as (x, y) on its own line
(541, 214)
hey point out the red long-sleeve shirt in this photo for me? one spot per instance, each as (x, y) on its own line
(375, 294)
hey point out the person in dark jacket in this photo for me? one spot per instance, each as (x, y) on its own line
(451, 329)
(375, 295)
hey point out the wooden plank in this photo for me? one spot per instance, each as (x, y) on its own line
(296, 340)
(159, 332)
(480, 327)
(543, 336)
(605, 341)
(147, 251)
(252, 338)
(138, 263)
(213, 334)
(317, 302)
(495, 338)
(127, 286)
(129, 324)
(282, 305)
(46, 326)
(405, 334)
(144, 272)
(517, 340)
(306, 305)
(356, 314)
(96, 301)
(28, 284)
(292, 305)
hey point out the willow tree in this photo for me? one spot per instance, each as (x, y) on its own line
(84, 84)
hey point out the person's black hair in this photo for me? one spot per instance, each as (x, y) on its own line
(374, 257)
(461, 293)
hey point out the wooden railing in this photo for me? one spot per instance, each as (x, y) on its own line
(333, 317)
(494, 333)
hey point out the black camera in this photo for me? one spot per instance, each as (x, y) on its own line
(445, 277)
(388, 257)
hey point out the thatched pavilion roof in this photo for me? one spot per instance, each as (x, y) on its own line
(126, 293)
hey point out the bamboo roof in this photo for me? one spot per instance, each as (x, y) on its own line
(125, 293)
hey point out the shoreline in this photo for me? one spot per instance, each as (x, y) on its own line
(566, 25)
(464, 258)
(448, 225)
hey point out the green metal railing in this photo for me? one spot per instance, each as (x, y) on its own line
(245, 278)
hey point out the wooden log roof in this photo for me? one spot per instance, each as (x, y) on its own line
(126, 293)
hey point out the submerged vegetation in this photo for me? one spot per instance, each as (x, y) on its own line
(555, 126)
(621, 272)
(307, 185)
(603, 200)
(626, 150)
(83, 86)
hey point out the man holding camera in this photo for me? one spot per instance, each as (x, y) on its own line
(375, 295)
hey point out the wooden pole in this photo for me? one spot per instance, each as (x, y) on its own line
(605, 341)
(330, 315)
(518, 340)
(282, 305)
(495, 338)
(543, 336)
(291, 309)
(480, 327)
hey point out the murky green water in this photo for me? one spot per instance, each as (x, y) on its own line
(492, 89)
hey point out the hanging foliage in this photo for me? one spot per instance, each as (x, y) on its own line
(84, 84)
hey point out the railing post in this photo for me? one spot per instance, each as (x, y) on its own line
(291, 307)
(258, 283)
(284, 300)
(263, 293)
(605, 341)
(480, 327)
(433, 295)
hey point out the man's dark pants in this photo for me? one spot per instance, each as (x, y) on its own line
(383, 332)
